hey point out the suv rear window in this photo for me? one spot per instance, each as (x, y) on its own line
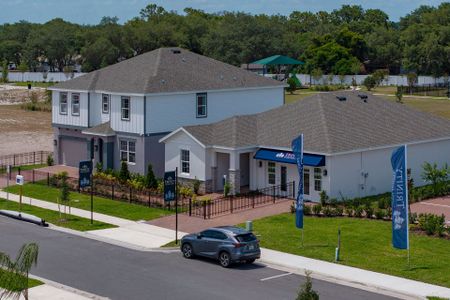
(245, 238)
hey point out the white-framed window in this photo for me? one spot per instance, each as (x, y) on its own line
(125, 108)
(105, 103)
(202, 105)
(271, 172)
(63, 103)
(185, 161)
(128, 151)
(75, 104)
(317, 179)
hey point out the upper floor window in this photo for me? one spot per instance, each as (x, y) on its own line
(76, 104)
(185, 161)
(128, 151)
(63, 103)
(271, 172)
(105, 103)
(317, 179)
(202, 105)
(125, 108)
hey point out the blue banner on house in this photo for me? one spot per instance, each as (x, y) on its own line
(400, 234)
(84, 173)
(297, 149)
(170, 184)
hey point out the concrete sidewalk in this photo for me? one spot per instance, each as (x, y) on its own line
(129, 232)
(145, 236)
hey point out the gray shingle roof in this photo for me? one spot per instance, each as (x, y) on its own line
(103, 129)
(167, 70)
(328, 125)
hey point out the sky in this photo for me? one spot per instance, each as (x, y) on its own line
(91, 11)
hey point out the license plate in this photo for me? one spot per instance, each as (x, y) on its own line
(251, 247)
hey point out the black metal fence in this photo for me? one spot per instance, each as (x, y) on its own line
(435, 90)
(208, 209)
(23, 159)
(113, 190)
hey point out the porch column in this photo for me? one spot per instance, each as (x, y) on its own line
(234, 173)
(213, 186)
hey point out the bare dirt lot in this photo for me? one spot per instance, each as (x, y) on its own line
(24, 131)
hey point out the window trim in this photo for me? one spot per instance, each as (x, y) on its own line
(188, 161)
(122, 98)
(317, 179)
(66, 104)
(270, 172)
(205, 105)
(108, 100)
(72, 104)
(127, 151)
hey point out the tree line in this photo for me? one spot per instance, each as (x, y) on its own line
(349, 40)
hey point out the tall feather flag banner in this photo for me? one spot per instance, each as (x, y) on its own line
(297, 149)
(400, 232)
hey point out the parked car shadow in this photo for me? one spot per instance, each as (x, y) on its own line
(236, 266)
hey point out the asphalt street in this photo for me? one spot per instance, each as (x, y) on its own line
(120, 273)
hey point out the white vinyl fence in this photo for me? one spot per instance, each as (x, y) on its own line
(397, 80)
(41, 76)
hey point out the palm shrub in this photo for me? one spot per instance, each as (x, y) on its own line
(17, 272)
(327, 211)
(323, 198)
(438, 178)
(338, 212)
(307, 210)
(379, 214)
(359, 211)
(349, 211)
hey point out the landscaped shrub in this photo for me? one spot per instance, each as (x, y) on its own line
(50, 160)
(226, 189)
(124, 174)
(150, 179)
(349, 211)
(380, 214)
(307, 210)
(196, 186)
(338, 212)
(432, 224)
(306, 292)
(438, 178)
(359, 211)
(333, 202)
(323, 198)
(384, 202)
(317, 209)
(99, 167)
(413, 218)
(327, 211)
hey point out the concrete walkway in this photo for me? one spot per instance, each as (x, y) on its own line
(149, 236)
(129, 232)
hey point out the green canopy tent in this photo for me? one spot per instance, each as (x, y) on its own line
(277, 60)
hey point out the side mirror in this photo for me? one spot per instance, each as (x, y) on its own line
(199, 236)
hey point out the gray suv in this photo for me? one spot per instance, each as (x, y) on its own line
(228, 244)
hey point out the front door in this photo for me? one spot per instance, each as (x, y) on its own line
(283, 177)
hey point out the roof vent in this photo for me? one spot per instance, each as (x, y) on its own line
(341, 98)
(234, 78)
(221, 76)
(183, 59)
(163, 81)
(176, 51)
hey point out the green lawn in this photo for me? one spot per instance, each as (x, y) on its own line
(53, 217)
(437, 106)
(31, 282)
(298, 95)
(101, 205)
(365, 244)
(23, 168)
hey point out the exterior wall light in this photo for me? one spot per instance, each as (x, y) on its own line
(96, 148)
(324, 172)
(260, 164)
(55, 142)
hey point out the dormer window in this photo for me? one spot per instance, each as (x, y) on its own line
(75, 104)
(125, 108)
(105, 103)
(202, 103)
(63, 103)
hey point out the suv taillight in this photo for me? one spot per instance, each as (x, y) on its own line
(238, 245)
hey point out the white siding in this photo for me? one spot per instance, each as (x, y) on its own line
(95, 110)
(136, 122)
(68, 119)
(345, 171)
(169, 112)
(196, 154)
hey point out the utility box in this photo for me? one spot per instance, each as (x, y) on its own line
(249, 226)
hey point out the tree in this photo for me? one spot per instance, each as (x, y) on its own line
(306, 292)
(292, 85)
(438, 178)
(4, 71)
(399, 94)
(316, 74)
(152, 10)
(150, 179)
(16, 276)
(124, 174)
(64, 193)
(411, 77)
(369, 82)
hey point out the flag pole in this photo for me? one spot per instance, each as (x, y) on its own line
(407, 204)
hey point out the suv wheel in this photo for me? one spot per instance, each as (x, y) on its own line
(224, 259)
(187, 251)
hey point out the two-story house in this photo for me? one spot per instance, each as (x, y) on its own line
(120, 112)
